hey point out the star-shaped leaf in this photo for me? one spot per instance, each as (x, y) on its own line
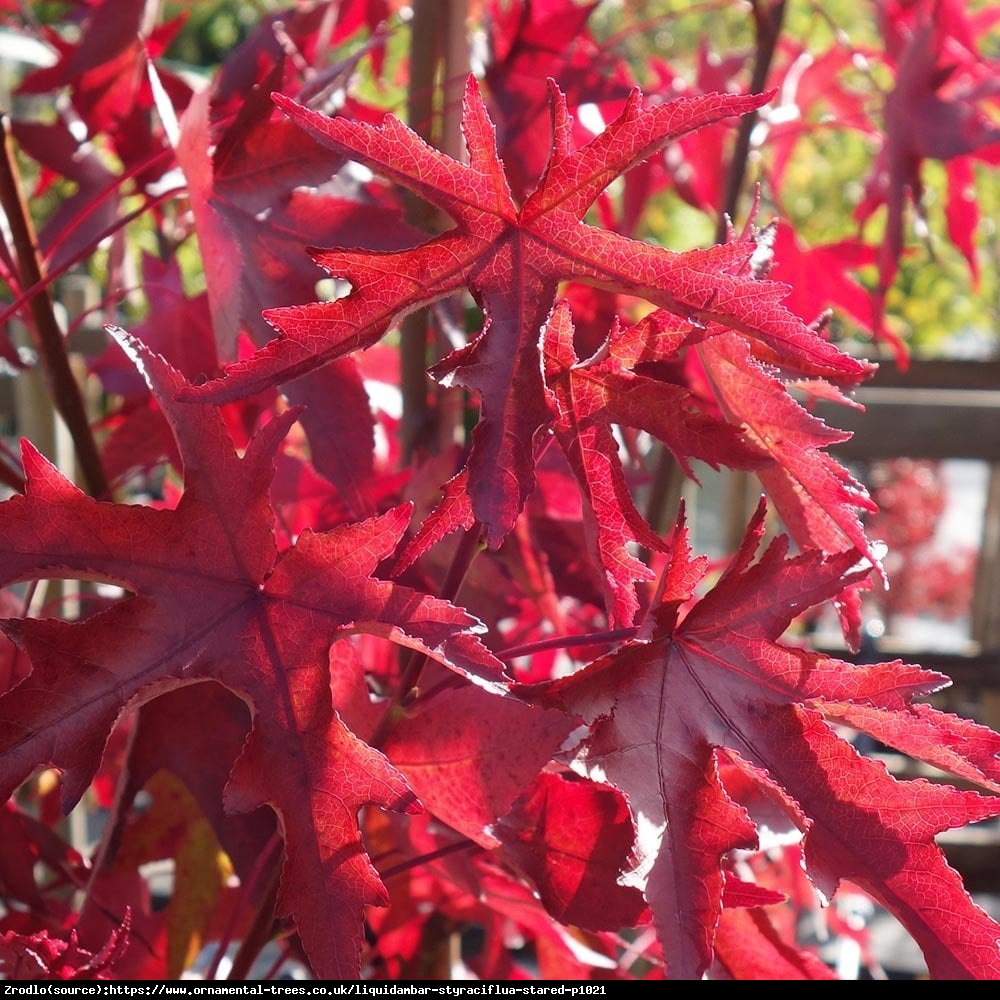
(662, 708)
(512, 258)
(213, 598)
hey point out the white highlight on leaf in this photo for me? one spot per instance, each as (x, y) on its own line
(590, 117)
(164, 106)
(648, 838)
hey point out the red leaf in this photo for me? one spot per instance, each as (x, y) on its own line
(254, 214)
(453, 513)
(962, 209)
(106, 74)
(19, 857)
(512, 259)
(749, 948)
(466, 753)
(933, 111)
(818, 276)
(816, 496)
(105, 67)
(572, 838)
(469, 754)
(82, 218)
(214, 599)
(697, 165)
(14, 666)
(178, 731)
(586, 398)
(812, 97)
(664, 704)
(531, 44)
(42, 957)
(304, 30)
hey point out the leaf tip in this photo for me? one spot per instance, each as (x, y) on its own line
(35, 463)
(284, 103)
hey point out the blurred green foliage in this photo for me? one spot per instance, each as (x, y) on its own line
(935, 304)
(213, 28)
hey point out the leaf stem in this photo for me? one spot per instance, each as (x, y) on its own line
(63, 387)
(566, 642)
(30, 291)
(276, 964)
(441, 852)
(258, 874)
(469, 546)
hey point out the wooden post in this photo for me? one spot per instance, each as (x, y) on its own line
(986, 595)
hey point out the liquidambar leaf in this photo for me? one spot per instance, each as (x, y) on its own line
(661, 707)
(512, 258)
(586, 397)
(42, 956)
(214, 599)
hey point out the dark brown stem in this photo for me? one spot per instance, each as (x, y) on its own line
(468, 548)
(456, 69)
(439, 63)
(451, 402)
(413, 342)
(768, 16)
(65, 391)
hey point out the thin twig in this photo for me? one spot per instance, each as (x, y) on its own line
(259, 934)
(272, 970)
(39, 287)
(108, 191)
